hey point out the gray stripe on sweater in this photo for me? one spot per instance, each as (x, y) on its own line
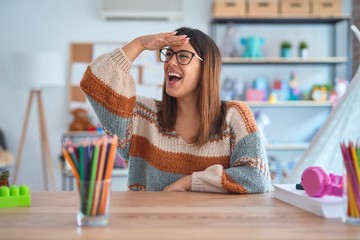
(141, 172)
(249, 147)
(252, 178)
(113, 123)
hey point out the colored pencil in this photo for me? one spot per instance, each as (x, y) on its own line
(73, 157)
(82, 177)
(108, 171)
(99, 175)
(68, 159)
(95, 158)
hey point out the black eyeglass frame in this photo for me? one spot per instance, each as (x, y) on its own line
(176, 53)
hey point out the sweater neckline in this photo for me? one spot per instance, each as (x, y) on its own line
(182, 140)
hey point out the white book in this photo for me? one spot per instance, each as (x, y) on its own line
(326, 206)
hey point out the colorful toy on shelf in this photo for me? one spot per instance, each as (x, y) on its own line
(232, 89)
(261, 84)
(319, 92)
(340, 87)
(15, 196)
(252, 46)
(259, 91)
(253, 94)
(338, 91)
(4, 178)
(81, 121)
(294, 91)
(273, 97)
(280, 89)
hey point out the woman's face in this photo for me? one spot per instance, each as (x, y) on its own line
(181, 80)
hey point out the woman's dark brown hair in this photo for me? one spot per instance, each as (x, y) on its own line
(209, 105)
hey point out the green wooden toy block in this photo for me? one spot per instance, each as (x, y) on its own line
(14, 196)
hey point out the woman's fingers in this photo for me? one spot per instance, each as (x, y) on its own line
(157, 41)
(171, 39)
(183, 40)
(178, 40)
(170, 34)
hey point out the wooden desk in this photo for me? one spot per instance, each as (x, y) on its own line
(161, 215)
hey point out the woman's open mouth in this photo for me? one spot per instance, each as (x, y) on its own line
(174, 77)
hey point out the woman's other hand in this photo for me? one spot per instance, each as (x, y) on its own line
(181, 185)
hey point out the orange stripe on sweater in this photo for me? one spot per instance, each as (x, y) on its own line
(254, 162)
(112, 101)
(246, 115)
(230, 185)
(180, 163)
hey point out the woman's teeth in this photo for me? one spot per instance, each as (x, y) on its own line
(174, 76)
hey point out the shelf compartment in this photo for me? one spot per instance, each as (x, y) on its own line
(282, 20)
(290, 60)
(287, 146)
(291, 104)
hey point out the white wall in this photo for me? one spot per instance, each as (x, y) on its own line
(42, 25)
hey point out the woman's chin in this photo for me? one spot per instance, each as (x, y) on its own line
(171, 93)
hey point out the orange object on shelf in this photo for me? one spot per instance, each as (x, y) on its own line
(327, 8)
(295, 8)
(263, 8)
(229, 8)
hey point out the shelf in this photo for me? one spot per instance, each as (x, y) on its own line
(120, 172)
(287, 147)
(282, 20)
(279, 60)
(117, 172)
(290, 104)
(79, 134)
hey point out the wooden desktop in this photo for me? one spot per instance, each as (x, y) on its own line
(171, 215)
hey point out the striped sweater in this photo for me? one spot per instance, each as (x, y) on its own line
(233, 162)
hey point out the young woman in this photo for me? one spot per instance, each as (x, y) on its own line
(190, 141)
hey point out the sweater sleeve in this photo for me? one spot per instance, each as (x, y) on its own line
(248, 170)
(111, 91)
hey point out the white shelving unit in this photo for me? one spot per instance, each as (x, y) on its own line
(288, 115)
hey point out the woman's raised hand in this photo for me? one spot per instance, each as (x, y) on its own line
(153, 42)
(160, 40)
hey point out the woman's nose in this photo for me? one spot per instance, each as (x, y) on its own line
(173, 60)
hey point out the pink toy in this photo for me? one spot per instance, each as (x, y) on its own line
(340, 87)
(255, 95)
(317, 183)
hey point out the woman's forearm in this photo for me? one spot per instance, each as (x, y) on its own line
(133, 49)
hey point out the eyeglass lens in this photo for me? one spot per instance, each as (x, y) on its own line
(182, 57)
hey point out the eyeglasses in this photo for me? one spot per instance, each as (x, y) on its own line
(183, 57)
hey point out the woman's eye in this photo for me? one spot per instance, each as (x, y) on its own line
(184, 56)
